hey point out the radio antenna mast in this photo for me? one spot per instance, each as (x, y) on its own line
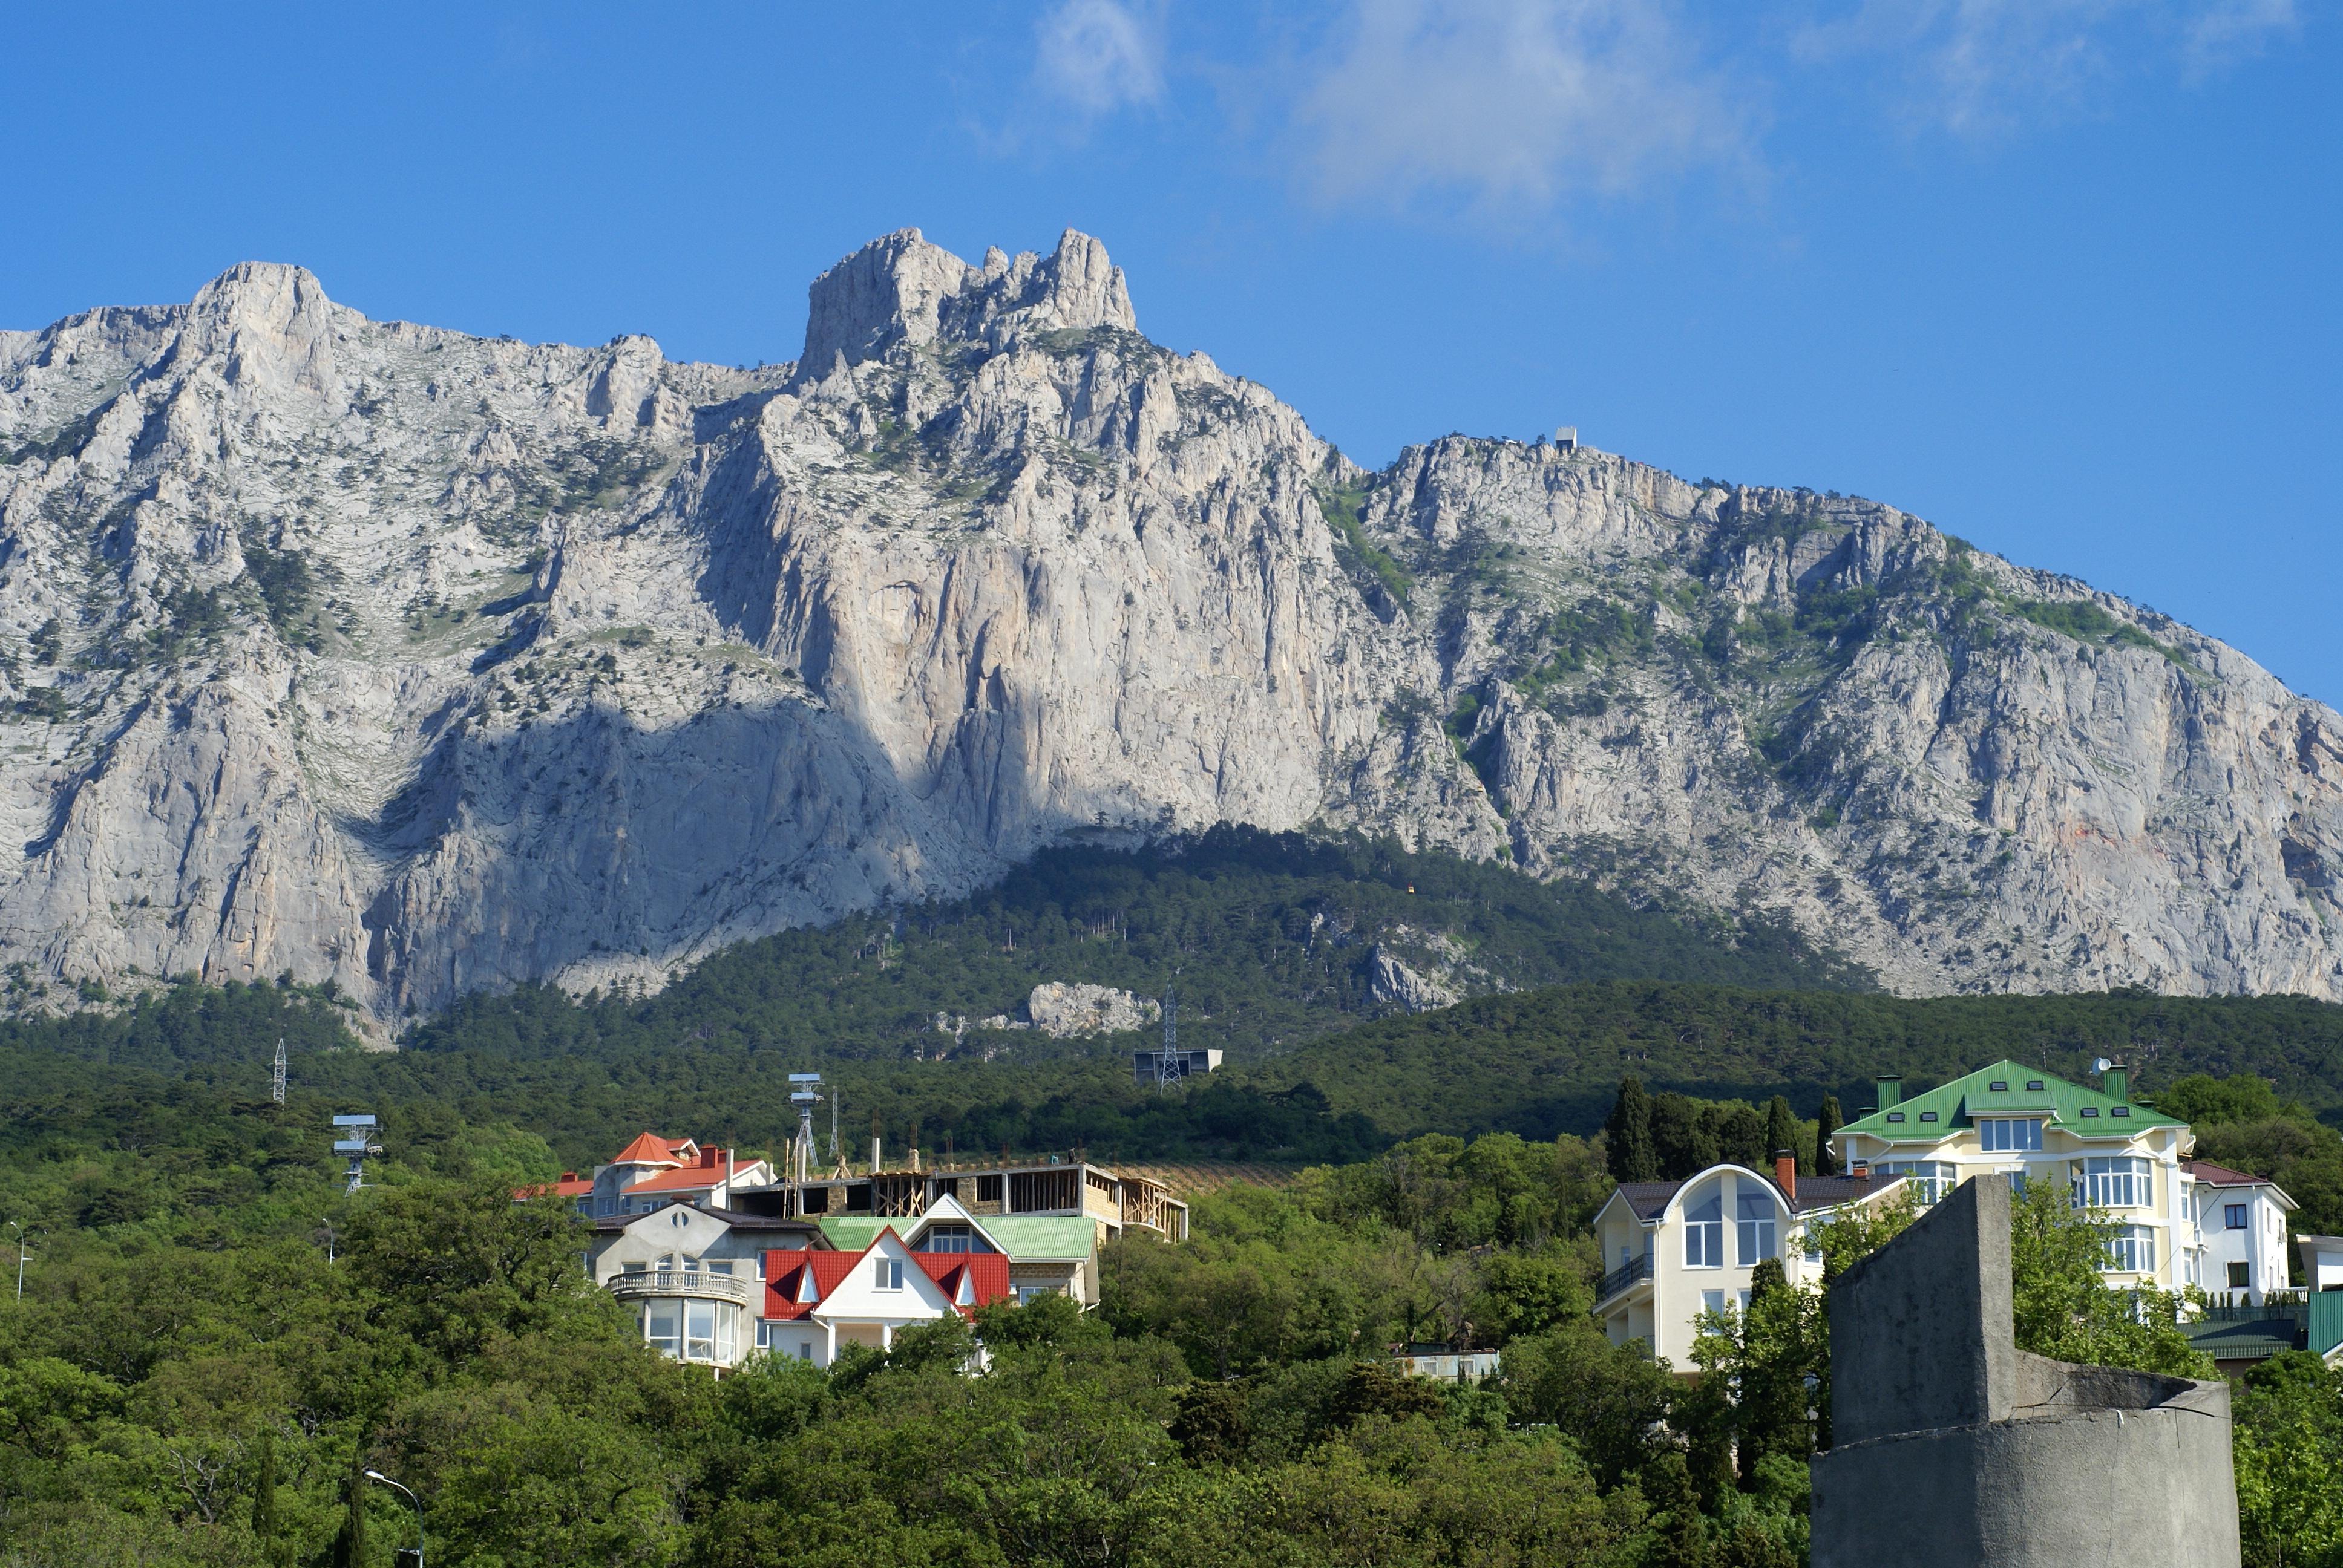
(277, 1084)
(1170, 1066)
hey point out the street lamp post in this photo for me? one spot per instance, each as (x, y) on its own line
(21, 1255)
(386, 1481)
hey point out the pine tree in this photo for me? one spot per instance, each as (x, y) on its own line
(263, 1489)
(1628, 1135)
(1782, 1131)
(1827, 1126)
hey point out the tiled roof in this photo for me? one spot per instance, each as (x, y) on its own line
(1958, 1104)
(690, 1179)
(650, 1149)
(2213, 1175)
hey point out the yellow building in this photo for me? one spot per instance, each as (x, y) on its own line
(2113, 1154)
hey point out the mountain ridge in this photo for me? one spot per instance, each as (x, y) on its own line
(426, 663)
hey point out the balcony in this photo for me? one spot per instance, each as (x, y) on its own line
(695, 1283)
(1634, 1271)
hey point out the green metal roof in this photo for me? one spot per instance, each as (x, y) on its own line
(1959, 1103)
(853, 1232)
(1020, 1237)
(1042, 1235)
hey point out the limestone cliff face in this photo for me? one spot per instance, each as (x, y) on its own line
(423, 662)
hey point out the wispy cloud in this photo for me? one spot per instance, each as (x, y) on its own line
(1509, 103)
(1989, 66)
(1099, 55)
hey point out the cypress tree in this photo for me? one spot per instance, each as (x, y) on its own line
(1781, 1132)
(1827, 1125)
(1627, 1135)
(263, 1489)
(1684, 1138)
(350, 1546)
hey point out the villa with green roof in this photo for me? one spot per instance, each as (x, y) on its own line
(2115, 1154)
(1674, 1250)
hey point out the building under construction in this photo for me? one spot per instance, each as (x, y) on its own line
(1051, 1186)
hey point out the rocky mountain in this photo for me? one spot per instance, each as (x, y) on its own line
(421, 663)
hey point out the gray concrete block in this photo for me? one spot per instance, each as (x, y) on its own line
(1957, 1450)
(1921, 1335)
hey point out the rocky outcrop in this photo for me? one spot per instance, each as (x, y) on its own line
(1392, 983)
(419, 663)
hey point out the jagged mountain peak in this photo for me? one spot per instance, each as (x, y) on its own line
(901, 289)
(420, 662)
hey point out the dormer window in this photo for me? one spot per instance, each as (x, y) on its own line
(2090, 1111)
(1999, 1086)
(2120, 1111)
(1894, 1116)
(1927, 1116)
(2032, 1086)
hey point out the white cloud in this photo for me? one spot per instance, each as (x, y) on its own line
(1509, 103)
(1101, 56)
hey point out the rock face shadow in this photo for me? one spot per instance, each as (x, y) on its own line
(1956, 1449)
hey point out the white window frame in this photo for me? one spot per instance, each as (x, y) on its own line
(2114, 1182)
(1705, 1238)
(2011, 1135)
(887, 1275)
(2131, 1251)
(1754, 1232)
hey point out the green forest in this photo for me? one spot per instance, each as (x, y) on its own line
(215, 1342)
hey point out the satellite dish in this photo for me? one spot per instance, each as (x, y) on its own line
(2101, 1065)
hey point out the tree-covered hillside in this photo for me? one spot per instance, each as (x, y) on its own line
(1546, 1061)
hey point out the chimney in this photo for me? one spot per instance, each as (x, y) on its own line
(570, 1175)
(1859, 1171)
(2115, 1080)
(1786, 1171)
(874, 1157)
(1891, 1090)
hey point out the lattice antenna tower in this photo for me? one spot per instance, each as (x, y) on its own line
(805, 1096)
(1170, 1066)
(276, 1080)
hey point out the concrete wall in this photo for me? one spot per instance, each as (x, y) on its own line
(1927, 1339)
(1957, 1450)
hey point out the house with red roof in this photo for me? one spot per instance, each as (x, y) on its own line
(818, 1303)
(654, 1171)
(2241, 1225)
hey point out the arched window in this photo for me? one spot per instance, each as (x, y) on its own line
(1753, 1217)
(1704, 1230)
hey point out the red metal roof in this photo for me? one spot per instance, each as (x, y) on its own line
(986, 1275)
(690, 1179)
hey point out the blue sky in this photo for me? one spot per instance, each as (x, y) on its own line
(2059, 275)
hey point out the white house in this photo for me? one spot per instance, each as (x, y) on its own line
(2322, 1262)
(1046, 1254)
(695, 1277)
(817, 1302)
(1677, 1249)
(2241, 1225)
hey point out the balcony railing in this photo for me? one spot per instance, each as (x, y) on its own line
(1625, 1275)
(679, 1282)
